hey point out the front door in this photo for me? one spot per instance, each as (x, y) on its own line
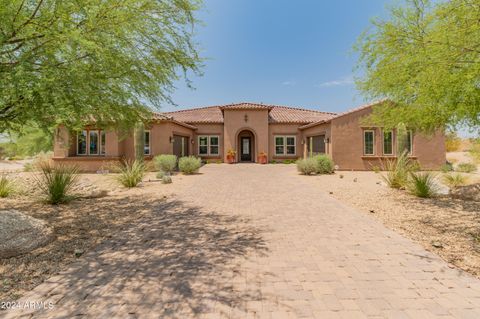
(246, 149)
(180, 146)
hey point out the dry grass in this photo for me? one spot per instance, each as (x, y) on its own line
(455, 224)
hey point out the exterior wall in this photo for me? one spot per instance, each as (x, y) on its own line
(284, 129)
(209, 129)
(234, 123)
(347, 145)
(321, 129)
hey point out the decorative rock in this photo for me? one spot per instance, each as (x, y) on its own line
(469, 192)
(372, 211)
(166, 179)
(341, 176)
(355, 180)
(20, 233)
(436, 244)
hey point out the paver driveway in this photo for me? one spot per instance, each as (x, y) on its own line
(245, 241)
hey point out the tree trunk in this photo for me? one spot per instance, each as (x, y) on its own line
(139, 141)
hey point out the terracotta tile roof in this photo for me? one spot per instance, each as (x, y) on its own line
(209, 114)
(278, 114)
(286, 114)
(362, 107)
(160, 116)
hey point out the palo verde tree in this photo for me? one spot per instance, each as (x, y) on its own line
(426, 58)
(71, 62)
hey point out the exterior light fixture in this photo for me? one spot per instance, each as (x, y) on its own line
(170, 139)
(326, 140)
(246, 117)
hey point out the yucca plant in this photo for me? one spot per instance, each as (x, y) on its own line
(423, 185)
(6, 187)
(131, 173)
(397, 171)
(56, 182)
(455, 180)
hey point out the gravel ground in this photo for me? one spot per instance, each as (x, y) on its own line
(78, 226)
(447, 227)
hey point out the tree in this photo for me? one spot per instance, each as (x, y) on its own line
(74, 62)
(425, 59)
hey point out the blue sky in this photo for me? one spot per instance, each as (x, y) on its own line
(288, 52)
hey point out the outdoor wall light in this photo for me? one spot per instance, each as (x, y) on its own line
(170, 139)
(246, 117)
(326, 140)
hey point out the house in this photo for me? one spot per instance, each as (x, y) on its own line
(251, 128)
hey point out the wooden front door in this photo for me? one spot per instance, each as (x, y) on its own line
(246, 149)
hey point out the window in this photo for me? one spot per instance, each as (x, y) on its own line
(405, 142)
(146, 142)
(285, 145)
(388, 143)
(369, 142)
(91, 142)
(410, 142)
(102, 142)
(208, 145)
(82, 143)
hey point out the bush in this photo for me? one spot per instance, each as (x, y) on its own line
(466, 167)
(166, 179)
(189, 164)
(57, 182)
(324, 164)
(397, 171)
(455, 180)
(160, 174)
(307, 166)
(166, 163)
(6, 187)
(447, 167)
(131, 173)
(423, 184)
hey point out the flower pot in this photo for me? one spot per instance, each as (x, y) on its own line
(230, 159)
(262, 159)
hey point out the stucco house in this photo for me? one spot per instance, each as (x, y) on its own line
(250, 128)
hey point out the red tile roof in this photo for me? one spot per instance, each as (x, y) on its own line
(278, 114)
(362, 107)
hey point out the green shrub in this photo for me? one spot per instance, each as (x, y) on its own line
(323, 164)
(307, 166)
(422, 184)
(466, 167)
(376, 169)
(160, 174)
(289, 161)
(131, 173)
(455, 180)
(6, 187)
(189, 164)
(397, 171)
(57, 182)
(447, 167)
(452, 142)
(273, 162)
(166, 163)
(166, 179)
(219, 161)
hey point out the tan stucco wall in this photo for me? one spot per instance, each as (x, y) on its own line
(347, 145)
(284, 129)
(234, 123)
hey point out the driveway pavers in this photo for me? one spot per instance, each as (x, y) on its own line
(252, 241)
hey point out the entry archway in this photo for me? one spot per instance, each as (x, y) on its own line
(246, 150)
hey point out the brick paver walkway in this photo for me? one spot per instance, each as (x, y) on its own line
(251, 241)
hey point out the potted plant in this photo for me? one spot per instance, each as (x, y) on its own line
(262, 158)
(231, 156)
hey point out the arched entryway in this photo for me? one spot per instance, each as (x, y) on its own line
(246, 146)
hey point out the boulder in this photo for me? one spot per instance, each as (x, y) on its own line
(469, 192)
(20, 233)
